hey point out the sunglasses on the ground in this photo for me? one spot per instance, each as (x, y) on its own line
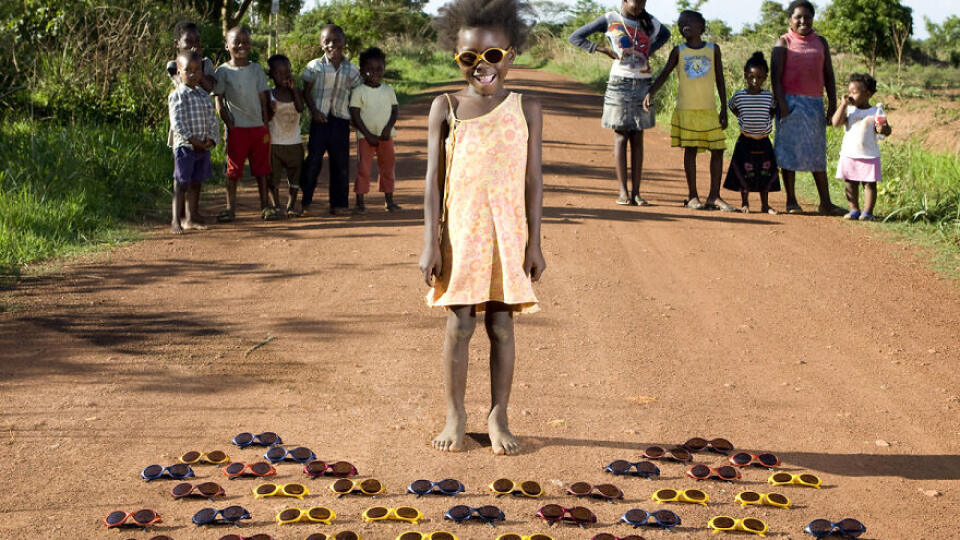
(600, 491)
(727, 523)
(230, 514)
(822, 528)
(317, 514)
(208, 490)
(719, 445)
(402, 513)
(661, 518)
(258, 469)
(300, 454)
(447, 486)
(578, 515)
(643, 469)
(267, 438)
(178, 471)
(295, 489)
(526, 488)
(487, 514)
(321, 468)
(215, 457)
(141, 518)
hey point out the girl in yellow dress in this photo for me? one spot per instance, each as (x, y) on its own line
(482, 206)
(696, 126)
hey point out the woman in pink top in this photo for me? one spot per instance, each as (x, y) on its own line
(802, 69)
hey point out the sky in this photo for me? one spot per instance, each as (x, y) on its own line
(736, 13)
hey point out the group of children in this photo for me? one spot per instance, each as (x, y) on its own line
(802, 72)
(263, 124)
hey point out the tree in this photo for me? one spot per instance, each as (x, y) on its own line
(864, 26)
(945, 38)
(693, 5)
(718, 30)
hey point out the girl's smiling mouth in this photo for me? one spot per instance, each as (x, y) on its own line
(485, 79)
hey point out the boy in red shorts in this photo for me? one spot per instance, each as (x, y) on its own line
(242, 97)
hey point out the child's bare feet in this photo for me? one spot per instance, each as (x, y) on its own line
(195, 225)
(451, 438)
(501, 440)
(175, 227)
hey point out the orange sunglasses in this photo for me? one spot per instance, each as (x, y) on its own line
(140, 518)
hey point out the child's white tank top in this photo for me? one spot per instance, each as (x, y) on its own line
(285, 124)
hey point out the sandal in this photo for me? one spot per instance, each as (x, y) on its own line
(270, 213)
(693, 204)
(852, 215)
(794, 209)
(719, 204)
(393, 207)
(292, 213)
(832, 210)
(866, 216)
(226, 216)
(640, 201)
(624, 201)
(769, 210)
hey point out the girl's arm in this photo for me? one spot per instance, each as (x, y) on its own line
(662, 37)
(533, 262)
(721, 84)
(829, 79)
(661, 77)
(733, 105)
(265, 106)
(430, 259)
(297, 96)
(839, 118)
(580, 35)
(778, 63)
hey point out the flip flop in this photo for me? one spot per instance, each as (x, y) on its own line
(852, 215)
(226, 216)
(292, 213)
(270, 213)
(719, 204)
(622, 201)
(866, 216)
(640, 201)
(694, 204)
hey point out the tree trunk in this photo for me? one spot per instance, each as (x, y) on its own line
(226, 20)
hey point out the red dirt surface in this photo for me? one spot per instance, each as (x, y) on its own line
(806, 336)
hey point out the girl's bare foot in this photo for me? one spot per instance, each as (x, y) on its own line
(502, 442)
(451, 438)
(189, 224)
(175, 227)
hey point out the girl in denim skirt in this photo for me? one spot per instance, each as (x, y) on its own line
(632, 36)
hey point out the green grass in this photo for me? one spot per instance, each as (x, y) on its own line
(414, 69)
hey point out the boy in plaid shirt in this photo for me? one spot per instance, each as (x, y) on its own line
(193, 122)
(327, 83)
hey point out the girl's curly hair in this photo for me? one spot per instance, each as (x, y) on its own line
(514, 17)
(868, 82)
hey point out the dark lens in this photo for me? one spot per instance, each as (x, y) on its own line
(276, 453)
(116, 517)
(680, 454)
(654, 452)
(319, 512)
(347, 535)
(645, 467)
(489, 512)
(317, 467)
(413, 535)
(216, 456)
(342, 468)
(695, 444)
(619, 466)
(231, 537)
(695, 494)
(721, 445)
(753, 524)
(749, 496)
(318, 536)
(782, 477)
(268, 438)
(371, 486)
(508, 536)
(235, 468)
(182, 490)
(468, 58)
(850, 527)
(449, 485)
(700, 471)
(769, 460)
(190, 457)
(609, 491)
(294, 489)
(233, 513)
(421, 486)
(633, 537)
(205, 515)
(666, 518)
(144, 516)
(343, 486)
(260, 537)
(179, 470)
(580, 488)
(260, 468)
(552, 511)
(441, 535)
(263, 489)
(820, 526)
(301, 453)
(727, 472)
(153, 471)
(376, 512)
(741, 458)
(243, 439)
(407, 513)
(531, 488)
(665, 494)
(493, 56)
(810, 479)
(636, 515)
(540, 537)
(502, 485)
(604, 536)
(723, 522)
(209, 489)
(582, 515)
(290, 514)
(777, 498)
(160, 537)
(459, 512)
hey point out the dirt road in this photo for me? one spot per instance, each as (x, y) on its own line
(806, 336)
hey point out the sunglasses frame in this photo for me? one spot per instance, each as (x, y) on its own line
(258, 536)
(582, 523)
(611, 536)
(534, 536)
(475, 514)
(714, 472)
(334, 536)
(392, 515)
(305, 516)
(132, 515)
(764, 499)
(248, 470)
(517, 489)
(482, 56)
(165, 471)
(329, 469)
(595, 491)
(357, 487)
(646, 521)
(738, 525)
(795, 479)
(436, 489)
(203, 457)
(280, 490)
(835, 528)
(220, 492)
(707, 445)
(427, 536)
(633, 469)
(287, 453)
(755, 460)
(256, 440)
(220, 515)
(667, 453)
(681, 496)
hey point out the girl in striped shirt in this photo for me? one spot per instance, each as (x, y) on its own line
(754, 165)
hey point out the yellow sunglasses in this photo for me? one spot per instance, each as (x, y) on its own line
(317, 514)
(515, 536)
(217, 457)
(346, 486)
(727, 523)
(342, 535)
(783, 479)
(401, 513)
(695, 496)
(287, 490)
(527, 488)
(769, 499)
(492, 56)
(435, 535)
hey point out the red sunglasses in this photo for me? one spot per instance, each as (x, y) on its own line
(321, 468)
(140, 518)
(578, 515)
(206, 489)
(724, 472)
(720, 446)
(260, 536)
(239, 468)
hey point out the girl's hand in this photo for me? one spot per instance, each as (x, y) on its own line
(647, 100)
(847, 99)
(533, 263)
(723, 118)
(385, 135)
(606, 51)
(289, 84)
(783, 109)
(319, 118)
(430, 262)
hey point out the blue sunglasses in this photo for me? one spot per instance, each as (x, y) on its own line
(822, 528)
(299, 454)
(643, 469)
(178, 471)
(230, 514)
(267, 438)
(447, 486)
(661, 518)
(487, 514)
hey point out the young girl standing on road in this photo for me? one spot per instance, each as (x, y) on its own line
(753, 166)
(482, 206)
(859, 153)
(695, 125)
(633, 35)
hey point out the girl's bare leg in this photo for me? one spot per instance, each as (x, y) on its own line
(852, 192)
(499, 324)
(461, 323)
(690, 169)
(789, 185)
(869, 196)
(823, 189)
(636, 165)
(620, 161)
